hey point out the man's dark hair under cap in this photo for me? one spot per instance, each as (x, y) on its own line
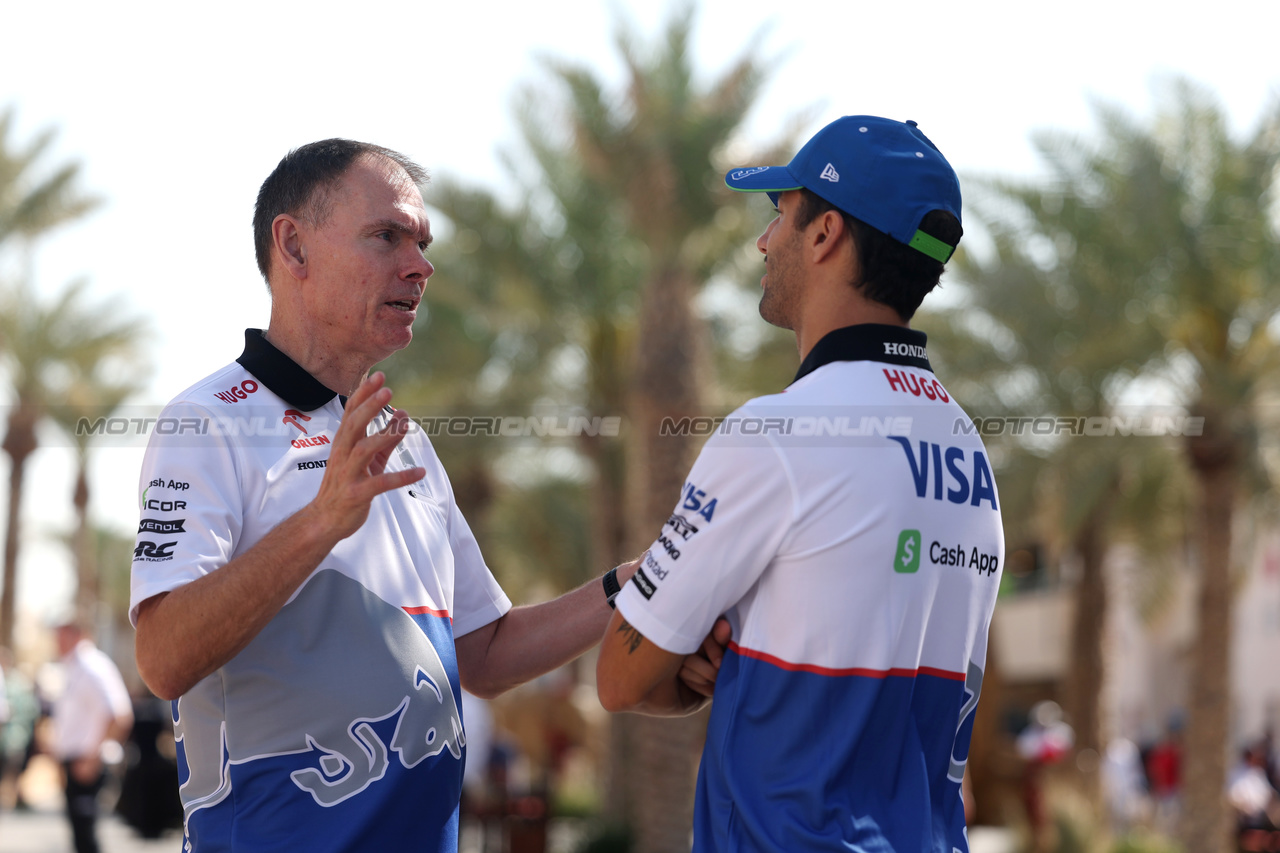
(300, 186)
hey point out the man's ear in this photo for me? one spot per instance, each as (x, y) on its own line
(824, 236)
(286, 240)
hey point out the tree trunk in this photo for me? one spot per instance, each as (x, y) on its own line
(1087, 673)
(667, 383)
(982, 771)
(1205, 819)
(87, 593)
(19, 443)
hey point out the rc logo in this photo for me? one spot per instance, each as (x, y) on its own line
(152, 551)
(907, 560)
(830, 174)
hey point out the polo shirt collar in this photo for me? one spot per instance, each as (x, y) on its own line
(281, 374)
(868, 342)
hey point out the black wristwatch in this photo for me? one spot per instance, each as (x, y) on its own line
(611, 586)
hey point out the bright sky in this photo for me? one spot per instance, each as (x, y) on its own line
(178, 111)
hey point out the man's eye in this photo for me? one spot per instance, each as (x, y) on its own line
(423, 246)
(384, 235)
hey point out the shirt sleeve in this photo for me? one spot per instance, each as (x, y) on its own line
(478, 599)
(190, 505)
(734, 512)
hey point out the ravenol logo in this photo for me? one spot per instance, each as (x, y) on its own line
(907, 560)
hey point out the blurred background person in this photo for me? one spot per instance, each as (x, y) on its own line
(92, 712)
(1046, 740)
(17, 735)
(1253, 800)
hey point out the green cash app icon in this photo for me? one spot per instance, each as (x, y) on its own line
(907, 560)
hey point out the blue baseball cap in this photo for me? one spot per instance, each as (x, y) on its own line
(883, 172)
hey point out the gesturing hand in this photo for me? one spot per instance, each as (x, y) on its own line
(356, 471)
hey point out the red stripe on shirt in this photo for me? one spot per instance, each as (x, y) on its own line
(415, 611)
(854, 670)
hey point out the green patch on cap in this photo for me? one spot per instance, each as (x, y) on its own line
(931, 246)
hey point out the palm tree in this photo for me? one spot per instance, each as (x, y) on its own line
(97, 389)
(1178, 218)
(43, 347)
(656, 154)
(29, 207)
(584, 293)
(1034, 337)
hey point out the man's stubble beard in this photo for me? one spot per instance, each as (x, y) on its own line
(779, 302)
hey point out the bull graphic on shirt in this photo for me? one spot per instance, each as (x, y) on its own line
(333, 662)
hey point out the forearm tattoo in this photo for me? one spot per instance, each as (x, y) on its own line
(631, 636)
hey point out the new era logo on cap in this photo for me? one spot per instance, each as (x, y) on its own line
(830, 174)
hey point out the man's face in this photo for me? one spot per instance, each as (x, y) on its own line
(782, 282)
(67, 638)
(366, 264)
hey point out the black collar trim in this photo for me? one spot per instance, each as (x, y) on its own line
(282, 374)
(868, 342)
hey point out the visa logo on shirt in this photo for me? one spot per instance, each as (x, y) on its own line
(973, 487)
(695, 500)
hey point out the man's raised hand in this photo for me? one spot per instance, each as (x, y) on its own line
(356, 471)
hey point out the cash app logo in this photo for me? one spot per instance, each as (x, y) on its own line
(907, 560)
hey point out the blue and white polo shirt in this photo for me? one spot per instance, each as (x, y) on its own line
(339, 727)
(850, 529)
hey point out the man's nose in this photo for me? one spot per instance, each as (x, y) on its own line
(762, 242)
(420, 269)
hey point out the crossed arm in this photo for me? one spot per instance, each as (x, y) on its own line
(634, 674)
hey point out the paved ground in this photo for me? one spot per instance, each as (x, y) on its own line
(46, 831)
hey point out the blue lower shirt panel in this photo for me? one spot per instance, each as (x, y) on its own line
(801, 761)
(408, 809)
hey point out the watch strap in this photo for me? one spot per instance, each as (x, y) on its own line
(611, 585)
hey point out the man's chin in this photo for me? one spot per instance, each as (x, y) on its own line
(771, 315)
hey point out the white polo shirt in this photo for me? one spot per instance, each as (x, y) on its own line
(93, 695)
(339, 726)
(850, 529)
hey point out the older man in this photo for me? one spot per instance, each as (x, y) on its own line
(848, 528)
(304, 586)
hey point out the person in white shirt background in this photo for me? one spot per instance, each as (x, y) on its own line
(92, 711)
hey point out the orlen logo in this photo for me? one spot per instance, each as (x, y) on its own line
(238, 392)
(909, 383)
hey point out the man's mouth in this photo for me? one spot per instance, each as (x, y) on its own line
(405, 305)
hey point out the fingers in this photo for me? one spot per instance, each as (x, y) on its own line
(699, 670)
(370, 452)
(714, 645)
(698, 675)
(356, 471)
(386, 440)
